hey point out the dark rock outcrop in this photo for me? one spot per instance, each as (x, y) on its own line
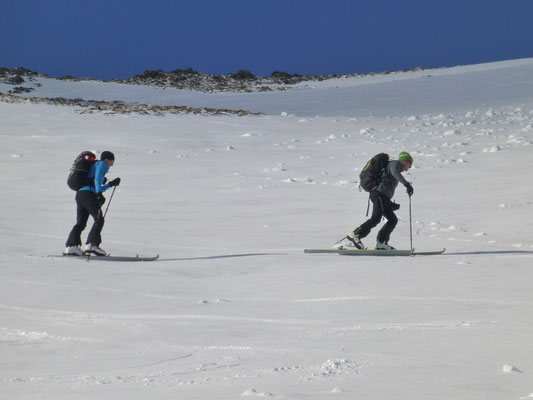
(119, 107)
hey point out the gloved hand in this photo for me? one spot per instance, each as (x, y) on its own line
(114, 182)
(101, 199)
(410, 189)
(395, 206)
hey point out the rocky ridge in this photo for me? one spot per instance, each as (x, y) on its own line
(189, 79)
(241, 81)
(119, 107)
(24, 81)
(19, 76)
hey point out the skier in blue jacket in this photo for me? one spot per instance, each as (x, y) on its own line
(89, 201)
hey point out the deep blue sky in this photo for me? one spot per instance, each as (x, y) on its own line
(107, 39)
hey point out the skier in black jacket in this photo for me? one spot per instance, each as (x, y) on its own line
(382, 204)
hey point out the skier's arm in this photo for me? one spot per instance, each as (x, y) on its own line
(395, 171)
(99, 174)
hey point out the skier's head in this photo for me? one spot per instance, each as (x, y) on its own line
(108, 158)
(405, 156)
(406, 160)
(107, 155)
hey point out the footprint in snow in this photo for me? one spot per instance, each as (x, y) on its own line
(452, 132)
(283, 369)
(492, 149)
(217, 301)
(253, 392)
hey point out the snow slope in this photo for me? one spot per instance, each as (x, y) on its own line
(234, 308)
(396, 94)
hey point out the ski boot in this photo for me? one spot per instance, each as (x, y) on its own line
(73, 251)
(384, 246)
(95, 250)
(355, 240)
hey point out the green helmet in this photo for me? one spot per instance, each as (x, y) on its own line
(405, 156)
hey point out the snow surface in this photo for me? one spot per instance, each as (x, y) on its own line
(234, 308)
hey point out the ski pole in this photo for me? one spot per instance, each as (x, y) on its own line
(105, 213)
(111, 198)
(410, 225)
(340, 240)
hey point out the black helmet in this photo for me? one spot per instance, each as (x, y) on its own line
(107, 155)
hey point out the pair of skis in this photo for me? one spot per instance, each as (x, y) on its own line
(369, 252)
(340, 249)
(111, 258)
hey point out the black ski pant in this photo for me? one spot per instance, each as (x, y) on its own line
(87, 204)
(381, 207)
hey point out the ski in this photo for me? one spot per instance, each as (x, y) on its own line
(110, 257)
(369, 252)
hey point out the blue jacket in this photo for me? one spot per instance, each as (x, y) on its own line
(97, 172)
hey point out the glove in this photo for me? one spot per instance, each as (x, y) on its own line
(395, 206)
(114, 182)
(410, 189)
(101, 199)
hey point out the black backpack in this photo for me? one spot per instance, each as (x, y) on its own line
(79, 172)
(372, 174)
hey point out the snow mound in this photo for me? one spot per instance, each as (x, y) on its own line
(508, 369)
(337, 367)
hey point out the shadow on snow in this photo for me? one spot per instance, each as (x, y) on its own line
(221, 256)
(490, 252)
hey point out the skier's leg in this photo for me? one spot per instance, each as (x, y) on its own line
(82, 215)
(93, 207)
(392, 221)
(375, 218)
(95, 236)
